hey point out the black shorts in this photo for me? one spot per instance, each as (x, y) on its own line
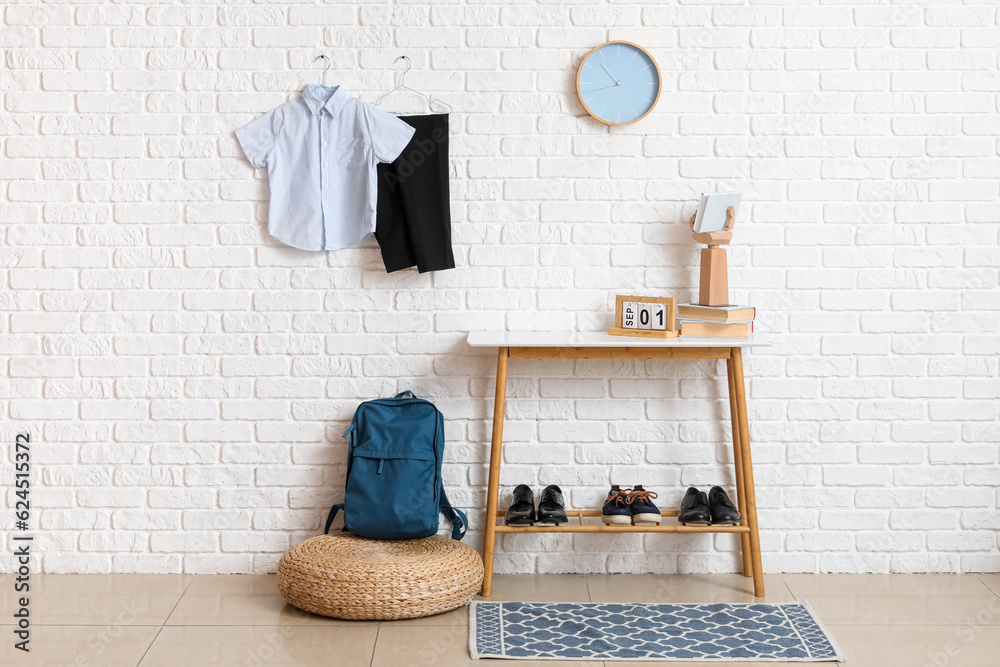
(413, 219)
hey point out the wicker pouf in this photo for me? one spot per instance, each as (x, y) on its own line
(351, 577)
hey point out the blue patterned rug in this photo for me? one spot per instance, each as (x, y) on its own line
(787, 632)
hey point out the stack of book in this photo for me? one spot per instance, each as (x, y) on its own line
(716, 321)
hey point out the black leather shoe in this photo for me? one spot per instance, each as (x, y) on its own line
(522, 507)
(550, 506)
(694, 508)
(723, 510)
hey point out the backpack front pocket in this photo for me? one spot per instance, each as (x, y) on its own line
(392, 496)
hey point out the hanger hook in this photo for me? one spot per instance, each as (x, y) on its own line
(322, 80)
(409, 64)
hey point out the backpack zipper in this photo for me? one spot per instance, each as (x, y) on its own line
(378, 471)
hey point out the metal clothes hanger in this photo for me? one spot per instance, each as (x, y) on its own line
(322, 77)
(402, 86)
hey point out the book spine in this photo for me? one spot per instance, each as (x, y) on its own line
(716, 329)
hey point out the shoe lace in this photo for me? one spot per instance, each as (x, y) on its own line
(642, 496)
(724, 499)
(620, 498)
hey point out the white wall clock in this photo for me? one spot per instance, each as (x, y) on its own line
(618, 83)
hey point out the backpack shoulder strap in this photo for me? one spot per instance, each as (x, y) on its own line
(350, 456)
(459, 522)
(331, 516)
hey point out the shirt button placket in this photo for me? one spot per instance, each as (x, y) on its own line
(325, 176)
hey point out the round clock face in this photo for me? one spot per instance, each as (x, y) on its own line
(618, 83)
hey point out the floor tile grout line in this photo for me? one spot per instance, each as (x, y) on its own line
(257, 625)
(179, 598)
(165, 619)
(378, 629)
(144, 653)
(979, 577)
(788, 588)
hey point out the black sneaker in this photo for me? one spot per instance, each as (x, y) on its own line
(722, 508)
(522, 507)
(550, 506)
(644, 512)
(616, 510)
(694, 508)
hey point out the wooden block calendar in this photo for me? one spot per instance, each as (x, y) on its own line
(645, 316)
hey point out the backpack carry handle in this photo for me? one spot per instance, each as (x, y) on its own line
(403, 394)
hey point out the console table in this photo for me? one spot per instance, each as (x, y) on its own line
(576, 345)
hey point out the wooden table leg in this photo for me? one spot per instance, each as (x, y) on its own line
(741, 501)
(493, 490)
(748, 487)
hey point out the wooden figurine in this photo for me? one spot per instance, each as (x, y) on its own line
(714, 287)
(645, 316)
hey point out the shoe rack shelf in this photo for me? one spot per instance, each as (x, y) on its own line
(580, 527)
(579, 346)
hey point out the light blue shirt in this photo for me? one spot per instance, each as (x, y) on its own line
(320, 151)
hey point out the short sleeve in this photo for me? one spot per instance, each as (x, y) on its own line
(257, 138)
(388, 134)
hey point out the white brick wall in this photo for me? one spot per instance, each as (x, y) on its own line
(186, 379)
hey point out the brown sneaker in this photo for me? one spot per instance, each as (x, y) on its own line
(616, 511)
(644, 512)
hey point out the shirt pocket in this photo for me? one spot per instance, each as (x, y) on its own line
(351, 153)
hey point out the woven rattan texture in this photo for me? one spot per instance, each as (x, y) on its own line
(345, 576)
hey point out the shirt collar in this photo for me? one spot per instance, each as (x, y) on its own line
(316, 104)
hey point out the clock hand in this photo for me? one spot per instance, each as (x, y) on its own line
(617, 82)
(603, 87)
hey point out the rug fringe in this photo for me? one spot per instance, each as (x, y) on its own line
(472, 630)
(840, 655)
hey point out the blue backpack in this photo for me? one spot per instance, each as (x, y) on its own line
(394, 489)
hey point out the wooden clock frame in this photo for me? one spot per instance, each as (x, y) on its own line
(659, 76)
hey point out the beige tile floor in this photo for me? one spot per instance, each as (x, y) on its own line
(179, 620)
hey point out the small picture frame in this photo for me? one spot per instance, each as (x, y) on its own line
(645, 316)
(711, 214)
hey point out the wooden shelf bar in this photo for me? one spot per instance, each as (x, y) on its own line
(501, 514)
(570, 528)
(619, 352)
(580, 527)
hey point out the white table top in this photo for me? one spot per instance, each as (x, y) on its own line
(600, 339)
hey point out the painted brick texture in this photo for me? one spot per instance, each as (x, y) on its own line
(186, 379)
